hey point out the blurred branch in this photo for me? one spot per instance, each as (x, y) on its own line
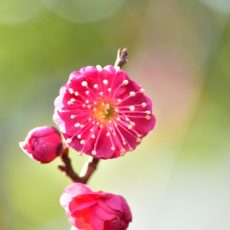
(86, 172)
(122, 57)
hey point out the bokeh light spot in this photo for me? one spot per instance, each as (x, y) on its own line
(13, 11)
(84, 10)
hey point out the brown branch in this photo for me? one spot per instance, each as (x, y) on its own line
(122, 57)
(88, 169)
(67, 166)
(86, 172)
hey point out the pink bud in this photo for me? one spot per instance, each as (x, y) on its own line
(43, 144)
(86, 209)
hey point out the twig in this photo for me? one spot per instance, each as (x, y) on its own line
(67, 167)
(122, 57)
(88, 169)
(86, 172)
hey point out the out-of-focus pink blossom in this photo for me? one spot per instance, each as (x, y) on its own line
(43, 144)
(88, 210)
(102, 112)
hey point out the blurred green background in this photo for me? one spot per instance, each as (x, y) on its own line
(179, 51)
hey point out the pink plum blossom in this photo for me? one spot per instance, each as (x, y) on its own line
(88, 210)
(102, 112)
(43, 144)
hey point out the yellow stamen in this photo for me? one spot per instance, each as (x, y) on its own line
(103, 111)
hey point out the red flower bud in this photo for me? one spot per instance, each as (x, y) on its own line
(90, 210)
(43, 144)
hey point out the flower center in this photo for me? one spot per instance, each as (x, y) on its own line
(104, 111)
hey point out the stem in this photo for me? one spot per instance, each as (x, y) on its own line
(67, 167)
(122, 57)
(86, 173)
(88, 169)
